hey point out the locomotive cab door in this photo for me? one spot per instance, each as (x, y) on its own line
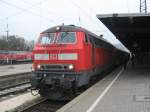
(93, 50)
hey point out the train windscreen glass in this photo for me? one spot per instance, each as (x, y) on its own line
(47, 38)
(66, 37)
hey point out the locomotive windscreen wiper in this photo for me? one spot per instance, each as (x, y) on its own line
(63, 36)
(47, 38)
(66, 37)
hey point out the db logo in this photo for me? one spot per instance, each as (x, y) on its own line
(53, 57)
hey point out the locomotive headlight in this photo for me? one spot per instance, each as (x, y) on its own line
(71, 67)
(58, 28)
(38, 66)
(32, 69)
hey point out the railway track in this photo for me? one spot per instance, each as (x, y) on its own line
(45, 106)
(14, 90)
(11, 85)
(16, 63)
(8, 81)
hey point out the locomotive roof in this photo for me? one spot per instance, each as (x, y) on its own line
(65, 28)
(73, 28)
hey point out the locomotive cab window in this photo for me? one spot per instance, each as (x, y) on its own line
(47, 38)
(91, 39)
(66, 38)
(86, 38)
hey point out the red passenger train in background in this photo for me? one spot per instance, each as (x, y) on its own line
(67, 57)
(11, 57)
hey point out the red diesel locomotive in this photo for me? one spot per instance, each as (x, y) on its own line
(66, 57)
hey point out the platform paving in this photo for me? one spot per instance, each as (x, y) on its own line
(18, 102)
(121, 91)
(14, 69)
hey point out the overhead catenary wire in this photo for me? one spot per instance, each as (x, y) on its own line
(38, 5)
(85, 13)
(26, 10)
(79, 7)
(20, 11)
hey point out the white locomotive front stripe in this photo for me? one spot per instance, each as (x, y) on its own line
(67, 56)
(41, 56)
(62, 56)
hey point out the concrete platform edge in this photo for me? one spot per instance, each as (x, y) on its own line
(78, 98)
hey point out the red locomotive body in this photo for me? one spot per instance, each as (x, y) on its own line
(67, 57)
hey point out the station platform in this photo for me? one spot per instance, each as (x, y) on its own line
(121, 91)
(14, 69)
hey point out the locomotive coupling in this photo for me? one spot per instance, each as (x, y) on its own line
(52, 80)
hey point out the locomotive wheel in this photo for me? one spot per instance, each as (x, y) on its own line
(53, 94)
(74, 88)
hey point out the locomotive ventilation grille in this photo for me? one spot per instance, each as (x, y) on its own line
(54, 67)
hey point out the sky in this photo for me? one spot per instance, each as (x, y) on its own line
(27, 18)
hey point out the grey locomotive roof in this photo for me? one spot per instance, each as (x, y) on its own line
(72, 28)
(64, 28)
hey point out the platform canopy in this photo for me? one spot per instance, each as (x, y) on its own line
(133, 30)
